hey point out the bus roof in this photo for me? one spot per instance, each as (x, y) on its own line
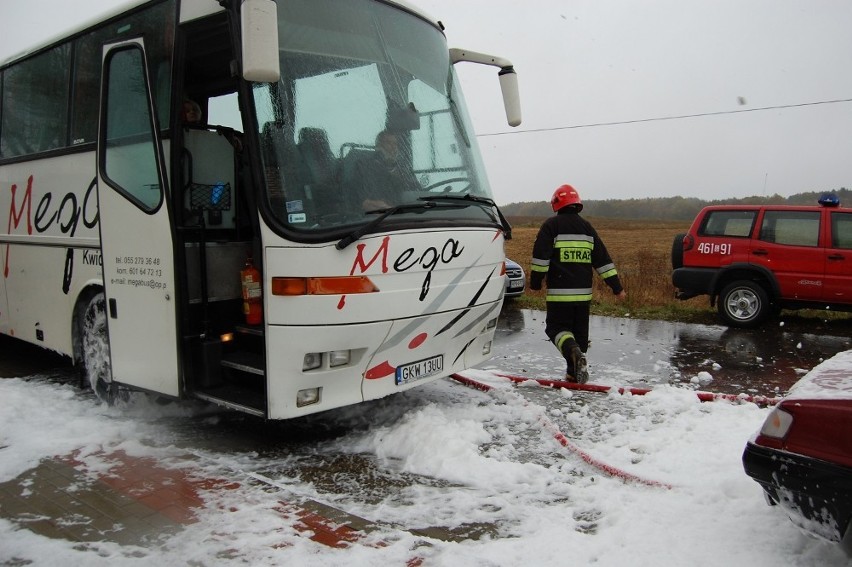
(115, 9)
(189, 10)
(406, 5)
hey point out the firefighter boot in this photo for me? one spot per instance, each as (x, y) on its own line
(581, 371)
(576, 372)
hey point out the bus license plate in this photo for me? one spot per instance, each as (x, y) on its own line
(419, 370)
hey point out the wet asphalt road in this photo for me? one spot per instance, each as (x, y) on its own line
(623, 351)
(633, 352)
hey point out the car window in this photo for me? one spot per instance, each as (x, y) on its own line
(728, 223)
(841, 230)
(793, 228)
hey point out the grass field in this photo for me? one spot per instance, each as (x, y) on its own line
(641, 251)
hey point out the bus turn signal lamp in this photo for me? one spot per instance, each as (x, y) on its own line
(323, 285)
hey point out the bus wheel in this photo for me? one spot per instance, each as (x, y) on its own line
(95, 343)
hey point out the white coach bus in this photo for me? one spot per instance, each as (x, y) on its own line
(129, 219)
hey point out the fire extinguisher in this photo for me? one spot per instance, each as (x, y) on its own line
(252, 293)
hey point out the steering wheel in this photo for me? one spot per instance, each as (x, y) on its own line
(448, 184)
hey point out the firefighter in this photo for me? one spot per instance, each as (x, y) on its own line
(566, 250)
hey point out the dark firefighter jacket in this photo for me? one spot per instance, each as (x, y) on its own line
(566, 251)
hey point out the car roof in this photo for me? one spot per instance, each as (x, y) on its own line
(773, 208)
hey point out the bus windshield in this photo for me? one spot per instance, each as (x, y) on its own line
(366, 116)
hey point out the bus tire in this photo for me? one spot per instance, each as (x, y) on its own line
(95, 355)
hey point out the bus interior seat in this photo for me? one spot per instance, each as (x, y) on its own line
(280, 156)
(350, 165)
(273, 136)
(318, 177)
(316, 155)
(210, 168)
(210, 181)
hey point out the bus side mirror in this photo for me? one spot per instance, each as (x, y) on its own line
(508, 80)
(260, 41)
(511, 96)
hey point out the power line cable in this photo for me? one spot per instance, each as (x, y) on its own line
(662, 118)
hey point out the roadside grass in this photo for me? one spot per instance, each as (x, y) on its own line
(641, 251)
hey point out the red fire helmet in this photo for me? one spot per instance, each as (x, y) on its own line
(565, 195)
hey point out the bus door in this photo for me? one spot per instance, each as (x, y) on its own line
(136, 231)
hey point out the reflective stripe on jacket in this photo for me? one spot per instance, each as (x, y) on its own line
(566, 252)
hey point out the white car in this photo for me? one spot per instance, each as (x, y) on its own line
(516, 280)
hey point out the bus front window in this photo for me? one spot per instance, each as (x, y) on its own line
(366, 116)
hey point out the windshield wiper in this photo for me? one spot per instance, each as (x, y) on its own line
(507, 228)
(385, 213)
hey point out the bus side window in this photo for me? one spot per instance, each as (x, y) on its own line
(38, 121)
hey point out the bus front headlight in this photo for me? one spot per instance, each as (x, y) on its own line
(312, 361)
(308, 397)
(339, 358)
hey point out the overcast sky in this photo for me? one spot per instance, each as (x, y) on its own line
(584, 63)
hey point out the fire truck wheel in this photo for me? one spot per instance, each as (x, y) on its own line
(743, 303)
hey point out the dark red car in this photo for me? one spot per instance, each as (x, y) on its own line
(802, 456)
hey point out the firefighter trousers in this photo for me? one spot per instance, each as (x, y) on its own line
(567, 324)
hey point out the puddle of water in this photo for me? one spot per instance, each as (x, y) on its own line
(634, 352)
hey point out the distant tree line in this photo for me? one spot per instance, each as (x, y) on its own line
(666, 208)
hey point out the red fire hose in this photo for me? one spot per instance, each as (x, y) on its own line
(703, 396)
(563, 440)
